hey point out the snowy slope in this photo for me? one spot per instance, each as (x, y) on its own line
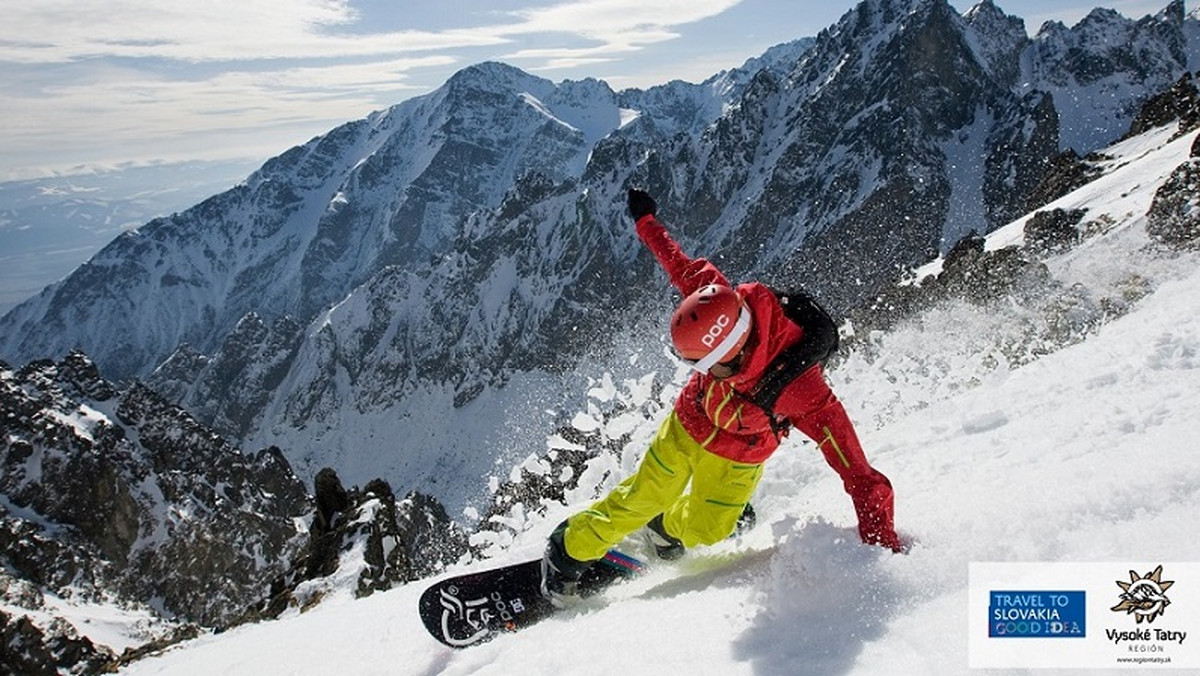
(1086, 454)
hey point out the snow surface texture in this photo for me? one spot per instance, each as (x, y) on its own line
(1086, 454)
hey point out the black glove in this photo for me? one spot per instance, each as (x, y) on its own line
(640, 204)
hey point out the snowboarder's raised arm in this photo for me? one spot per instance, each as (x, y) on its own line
(687, 274)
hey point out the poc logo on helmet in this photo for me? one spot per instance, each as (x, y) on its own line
(715, 331)
(707, 319)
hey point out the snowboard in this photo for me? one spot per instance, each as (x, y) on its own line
(473, 608)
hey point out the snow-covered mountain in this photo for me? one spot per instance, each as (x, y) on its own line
(1003, 445)
(406, 295)
(48, 226)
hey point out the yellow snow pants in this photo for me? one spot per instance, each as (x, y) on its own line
(708, 514)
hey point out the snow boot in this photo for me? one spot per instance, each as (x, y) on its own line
(561, 572)
(746, 522)
(668, 548)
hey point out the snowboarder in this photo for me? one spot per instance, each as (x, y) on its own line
(716, 437)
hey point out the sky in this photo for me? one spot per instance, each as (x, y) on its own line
(108, 83)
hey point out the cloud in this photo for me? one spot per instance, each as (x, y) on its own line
(142, 76)
(611, 26)
(133, 103)
(371, 77)
(611, 18)
(119, 114)
(55, 31)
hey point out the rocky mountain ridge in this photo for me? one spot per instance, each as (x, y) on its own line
(113, 498)
(405, 295)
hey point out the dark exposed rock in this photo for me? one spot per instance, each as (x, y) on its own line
(332, 499)
(1174, 216)
(1053, 231)
(1065, 173)
(969, 273)
(30, 650)
(229, 390)
(1181, 102)
(366, 534)
(115, 493)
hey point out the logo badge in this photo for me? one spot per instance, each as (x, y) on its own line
(1144, 597)
(1037, 614)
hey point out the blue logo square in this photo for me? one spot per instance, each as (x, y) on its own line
(1037, 614)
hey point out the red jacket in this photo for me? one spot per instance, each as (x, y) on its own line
(730, 425)
(712, 410)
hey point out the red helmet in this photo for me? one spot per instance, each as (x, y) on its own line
(710, 326)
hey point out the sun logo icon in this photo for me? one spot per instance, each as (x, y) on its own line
(1144, 597)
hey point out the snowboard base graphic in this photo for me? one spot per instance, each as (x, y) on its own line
(468, 609)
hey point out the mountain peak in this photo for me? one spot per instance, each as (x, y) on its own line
(1173, 13)
(987, 13)
(872, 15)
(496, 76)
(998, 40)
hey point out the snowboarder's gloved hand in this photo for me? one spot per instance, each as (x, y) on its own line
(641, 204)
